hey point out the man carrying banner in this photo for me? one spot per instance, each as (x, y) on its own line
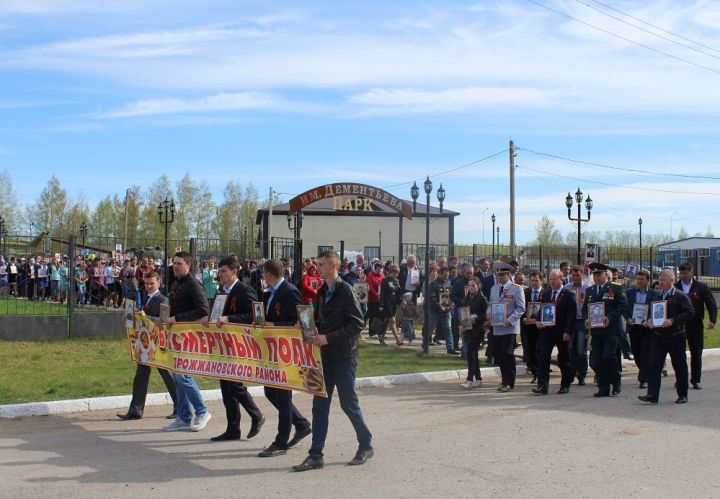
(187, 304)
(281, 303)
(237, 310)
(339, 322)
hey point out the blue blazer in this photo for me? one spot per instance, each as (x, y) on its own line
(283, 308)
(487, 284)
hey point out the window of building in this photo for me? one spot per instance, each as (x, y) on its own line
(703, 252)
(669, 259)
(324, 248)
(371, 252)
(288, 251)
(686, 253)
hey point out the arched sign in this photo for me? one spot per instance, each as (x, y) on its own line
(363, 195)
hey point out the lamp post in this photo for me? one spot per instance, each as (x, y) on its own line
(498, 240)
(579, 219)
(415, 193)
(380, 244)
(493, 235)
(2, 235)
(166, 212)
(83, 232)
(641, 256)
(297, 248)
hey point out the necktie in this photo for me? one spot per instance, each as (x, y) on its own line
(535, 295)
(554, 296)
(500, 291)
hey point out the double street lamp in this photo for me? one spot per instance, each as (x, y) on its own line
(641, 255)
(166, 212)
(83, 232)
(579, 219)
(415, 193)
(296, 227)
(2, 235)
(493, 235)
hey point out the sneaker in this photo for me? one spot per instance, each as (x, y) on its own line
(477, 383)
(468, 384)
(200, 422)
(177, 425)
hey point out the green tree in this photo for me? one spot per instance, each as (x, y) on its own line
(546, 233)
(50, 211)
(8, 203)
(682, 234)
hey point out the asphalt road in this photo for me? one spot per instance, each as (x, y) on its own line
(431, 440)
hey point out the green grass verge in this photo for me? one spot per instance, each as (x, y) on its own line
(18, 306)
(78, 368)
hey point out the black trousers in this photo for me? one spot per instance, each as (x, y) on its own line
(640, 345)
(504, 353)
(660, 347)
(605, 364)
(695, 341)
(234, 395)
(546, 342)
(532, 352)
(288, 415)
(140, 388)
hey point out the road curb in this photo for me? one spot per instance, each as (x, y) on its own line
(74, 406)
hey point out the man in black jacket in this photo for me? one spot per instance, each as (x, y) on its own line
(669, 337)
(281, 303)
(339, 322)
(237, 310)
(142, 372)
(700, 297)
(187, 304)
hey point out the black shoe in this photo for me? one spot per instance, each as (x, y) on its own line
(642, 385)
(172, 416)
(696, 386)
(504, 389)
(310, 464)
(595, 380)
(616, 390)
(540, 390)
(581, 381)
(628, 356)
(681, 400)
(563, 390)
(128, 416)
(255, 428)
(453, 352)
(299, 435)
(534, 380)
(226, 436)
(648, 398)
(664, 373)
(603, 393)
(361, 457)
(272, 451)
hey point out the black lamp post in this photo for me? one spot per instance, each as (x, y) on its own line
(297, 251)
(579, 219)
(641, 255)
(498, 240)
(83, 232)
(493, 234)
(166, 212)
(2, 235)
(415, 193)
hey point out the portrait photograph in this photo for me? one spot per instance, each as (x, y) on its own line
(258, 313)
(218, 307)
(548, 314)
(596, 313)
(532, 311)
(465, 317)
(129, 313)
(498, 313)
(445, 299)
(361, 290)
(631, 270)
(659, 312)
(591, 252)
(307, 321)
(640, 313)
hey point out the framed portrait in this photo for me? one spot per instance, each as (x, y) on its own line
(129, 306)
(444, 299)
(659, 312)
(498, 313)
(640, 313)
(596, 314)
(631, 270)
(465, 317)
(361, 290)
(532, 311)
(97, 272)
(258, 313)
(314, 284)
(218, 307)
(306, 316)
(547, 315)
(467, 290)
(591, 252)
(164, 312)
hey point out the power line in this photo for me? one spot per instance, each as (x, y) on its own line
(634, 170)
(666, 54)
(647, 30)
(656, 26)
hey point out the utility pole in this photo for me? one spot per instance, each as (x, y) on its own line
(512, 198)
(269, 234)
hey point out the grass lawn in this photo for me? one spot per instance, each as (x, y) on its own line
(78, 368)
(18, 306)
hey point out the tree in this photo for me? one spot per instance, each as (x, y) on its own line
(709, 232)
(50, 210)
(682, 234)
(8, 203)
(150, 230)
(546, 234)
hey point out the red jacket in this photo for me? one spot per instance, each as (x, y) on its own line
(309, 287)
(374, 281)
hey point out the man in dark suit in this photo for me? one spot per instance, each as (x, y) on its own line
(411, 277)
(528, 327)
(669, 338)
(142, 372)
(701, 297)
(604, 340)
(237, 310)
(640, 294)
(281, 303)
(557, 335)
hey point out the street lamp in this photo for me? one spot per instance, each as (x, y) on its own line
(166, 212)
(83, 232)
(579, 219)
(2, 234)
(297, 248)
(493, 235)
(640, 226)
(498, 239)
(415, 193)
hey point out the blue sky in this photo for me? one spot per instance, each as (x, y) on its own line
(297, 94)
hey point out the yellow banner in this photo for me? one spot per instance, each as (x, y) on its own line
(270, 356)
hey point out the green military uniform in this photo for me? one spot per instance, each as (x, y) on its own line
(604, 341)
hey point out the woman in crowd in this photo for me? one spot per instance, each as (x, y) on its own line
(389, 298)
(474, 332)
(310, 285)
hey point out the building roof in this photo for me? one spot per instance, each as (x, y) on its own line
(691, 243)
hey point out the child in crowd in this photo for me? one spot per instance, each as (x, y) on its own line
(407, 317)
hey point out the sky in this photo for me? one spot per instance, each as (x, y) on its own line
(292, 95)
